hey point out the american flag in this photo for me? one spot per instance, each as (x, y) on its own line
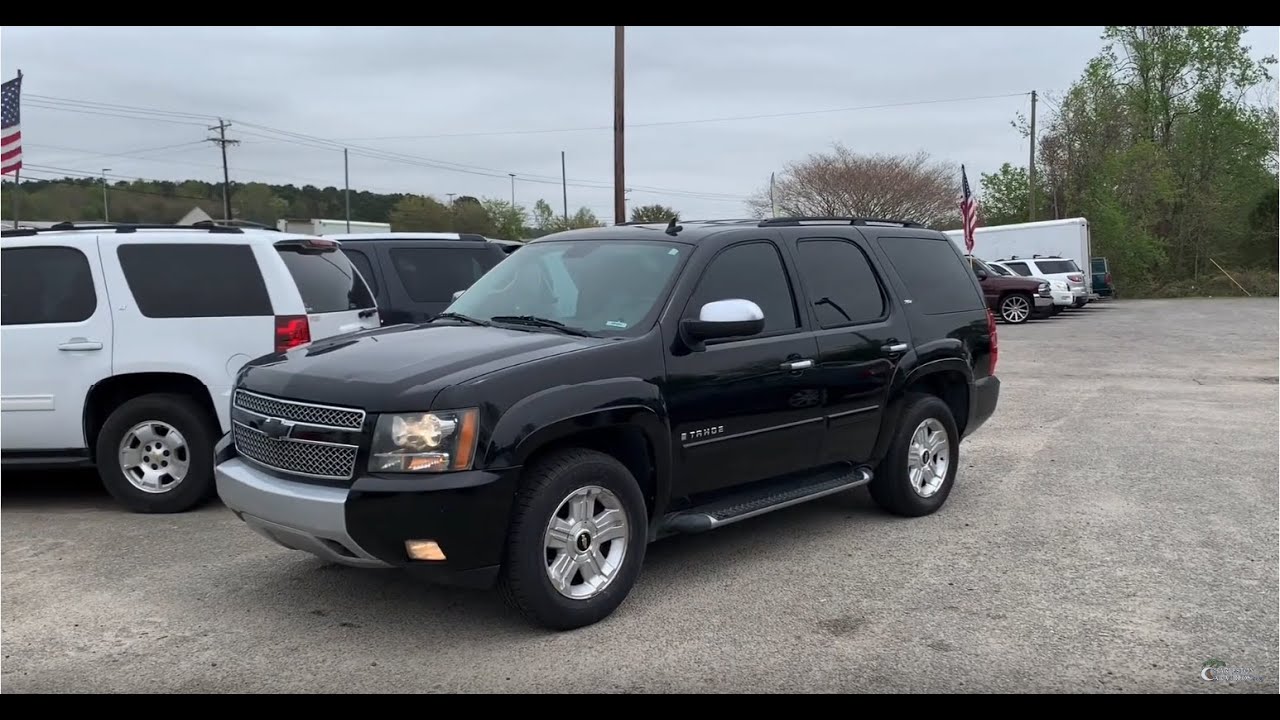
(11, 127)
(968, 211)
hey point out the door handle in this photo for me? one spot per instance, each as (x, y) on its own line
(797, 364)
(895, 348)
(80, 344)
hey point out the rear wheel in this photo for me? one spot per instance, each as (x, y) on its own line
(1015, 309)
(155, 454)
(916, 475)
(577, 540)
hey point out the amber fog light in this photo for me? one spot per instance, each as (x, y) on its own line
(423, 550)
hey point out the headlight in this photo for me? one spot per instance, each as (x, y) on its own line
(1044, 287)
(437, 441)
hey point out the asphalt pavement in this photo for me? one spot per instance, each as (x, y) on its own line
(1113, 529)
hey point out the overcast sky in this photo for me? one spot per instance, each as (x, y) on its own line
(454, 110)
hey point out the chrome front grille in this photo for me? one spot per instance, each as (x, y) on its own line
(299, 412)
(281, 451)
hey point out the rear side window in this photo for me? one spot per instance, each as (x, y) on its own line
(173, 280)
(1057, 267)
(934, 273)
(45, 285)
(435, 274)
(361, 261)
(1020, 268)
(840, 284)
(326, 280)
(751, 271)
(1099, 265)
(998, 270)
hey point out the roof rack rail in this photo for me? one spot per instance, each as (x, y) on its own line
(124, 228)
(796, 221)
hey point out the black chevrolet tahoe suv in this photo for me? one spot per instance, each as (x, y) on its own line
(602, 388)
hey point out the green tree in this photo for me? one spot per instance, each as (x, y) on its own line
(416, 213)
(508, 220)
(1003, 198)
(258, 203)
(469, 216)
(653, 214)
(1163, 145)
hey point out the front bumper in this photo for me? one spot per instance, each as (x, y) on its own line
(367, 525)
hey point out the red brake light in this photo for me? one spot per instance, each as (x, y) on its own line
(292, 331)
(1108, 278)
(995, 344)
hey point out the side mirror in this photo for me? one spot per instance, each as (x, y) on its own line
(722, 319)
(458, 294)
(982, 274)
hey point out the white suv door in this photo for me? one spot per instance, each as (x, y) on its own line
(56, 332)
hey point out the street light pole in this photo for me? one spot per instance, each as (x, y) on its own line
(106, 215)
(513, 189)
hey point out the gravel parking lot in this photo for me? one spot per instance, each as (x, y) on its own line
(1114, 528)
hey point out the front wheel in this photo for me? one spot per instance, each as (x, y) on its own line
(577, 540)
(155, 454)
(916, 476)
(1015, 309)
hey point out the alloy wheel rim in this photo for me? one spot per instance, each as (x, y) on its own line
(586, 542)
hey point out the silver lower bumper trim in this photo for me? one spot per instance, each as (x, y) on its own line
(311, 518)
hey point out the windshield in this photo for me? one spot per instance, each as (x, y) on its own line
(606, 287)
(997, 270)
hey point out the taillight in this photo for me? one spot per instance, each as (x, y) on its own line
(292, 331)
(995, 341)
(1076, 278)
(1108, 278)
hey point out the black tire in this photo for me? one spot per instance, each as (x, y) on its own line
(524, 582)
(1005, 308)
(891, 487)
(197, 429)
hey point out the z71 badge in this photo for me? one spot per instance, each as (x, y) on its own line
(701, 434)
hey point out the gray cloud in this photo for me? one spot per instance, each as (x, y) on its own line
(370, 82)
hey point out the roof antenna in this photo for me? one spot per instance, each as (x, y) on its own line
(673, 228)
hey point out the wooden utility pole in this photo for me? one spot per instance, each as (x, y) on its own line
(1031, 164)
(223, 142)
(619, 171)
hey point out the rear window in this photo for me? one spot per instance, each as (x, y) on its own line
(435, 274)
(1055, 267)
(937, 277)
(326, 280)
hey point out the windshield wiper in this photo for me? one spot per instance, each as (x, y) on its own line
(534, 321)
(459, 316)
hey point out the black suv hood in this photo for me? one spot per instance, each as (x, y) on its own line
(401, 367)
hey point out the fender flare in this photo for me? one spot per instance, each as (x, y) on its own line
(897, 395)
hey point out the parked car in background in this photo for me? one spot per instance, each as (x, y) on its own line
(1052, 268)
(1067, 239)
(605, 387)
(1063, 297)
(414, 275)
(1102, 285)
(1013, 299)
(121, 343)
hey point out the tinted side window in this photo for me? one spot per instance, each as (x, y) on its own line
(754, 272)
(839, 282)
(45, 285)
(170, 280)
(361, 261)
(435, 274)
(934, 274)
(325, 280)
(1020, 268)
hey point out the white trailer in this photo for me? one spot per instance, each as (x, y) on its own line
(1064, 238)
(330, 227)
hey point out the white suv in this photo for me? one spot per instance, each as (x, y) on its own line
(1063, 298)
(121, 343)
(1051, 268)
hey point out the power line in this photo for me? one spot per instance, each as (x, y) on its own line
(698, 121)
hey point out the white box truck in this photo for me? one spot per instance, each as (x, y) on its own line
(330, 227)
(1062, 238)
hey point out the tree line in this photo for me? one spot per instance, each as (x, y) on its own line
(162, 201)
